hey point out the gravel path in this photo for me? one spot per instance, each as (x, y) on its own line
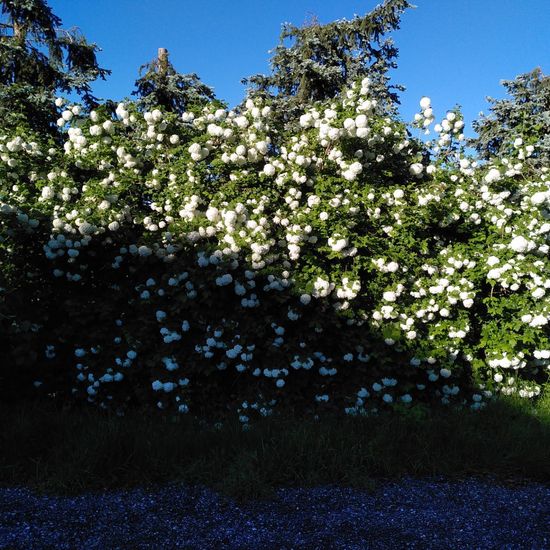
(406, 514)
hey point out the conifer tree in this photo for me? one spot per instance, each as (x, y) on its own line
(314, 62)
(525, 112)
(160, 85)
(39, 59)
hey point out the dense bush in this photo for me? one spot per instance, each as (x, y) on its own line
(303, 249)
(218, 260)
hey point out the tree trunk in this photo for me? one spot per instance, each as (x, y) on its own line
(162, 61)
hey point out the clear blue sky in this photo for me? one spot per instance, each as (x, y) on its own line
(455, 51)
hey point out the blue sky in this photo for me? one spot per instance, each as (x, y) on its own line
(455, 51)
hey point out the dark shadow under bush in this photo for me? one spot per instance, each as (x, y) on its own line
(81, 450)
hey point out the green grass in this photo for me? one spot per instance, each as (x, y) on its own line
(73, 451)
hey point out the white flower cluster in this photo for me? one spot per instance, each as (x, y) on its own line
(299, 250)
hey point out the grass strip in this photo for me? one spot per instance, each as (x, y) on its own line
(68, 452)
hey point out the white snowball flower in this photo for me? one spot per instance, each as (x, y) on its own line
(425, 102)
(194, 148)
(337, 244)
(349, 123)
(241, 121)
(224, 280)
(86, 228)
(416, 169)
(492, 176)
(160, 315)
(269, 170)
(538, 293)
(446, 125)
(47, 193)
(169, 386)
(519, 244)
(361, 121)
(538, 321)
(539, 198)
(306, 120)
(526, 318)
(322, 288)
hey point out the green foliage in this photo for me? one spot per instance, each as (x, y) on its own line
(188, 258)
(525, 114)
(315, 62)
(160, 85)
(38, 58)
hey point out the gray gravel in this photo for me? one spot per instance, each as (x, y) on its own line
(405, 514)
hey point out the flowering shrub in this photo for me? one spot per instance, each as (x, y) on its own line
(222, 261)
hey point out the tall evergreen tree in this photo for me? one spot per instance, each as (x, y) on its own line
(314, 62)
(526, 113)
(160, 85)
(38, 59)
